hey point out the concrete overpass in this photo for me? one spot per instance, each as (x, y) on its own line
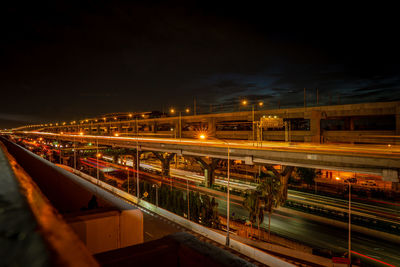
(377, 123)
(373, 159)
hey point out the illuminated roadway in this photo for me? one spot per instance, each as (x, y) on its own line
(386, 211)
(374, 159)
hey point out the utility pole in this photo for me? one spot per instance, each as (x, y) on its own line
(137, 168)
(180, 126)
(187, 195)
(317, 97)
(74, 153)
(349, 223)
(228, 206)
(97, 161)
(194, 106)
(252, 118)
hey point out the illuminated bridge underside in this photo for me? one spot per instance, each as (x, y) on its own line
(372, 159)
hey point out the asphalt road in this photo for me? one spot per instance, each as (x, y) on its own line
(323, 236)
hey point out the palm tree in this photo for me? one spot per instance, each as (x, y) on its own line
(250, 202)
(270, 189)
(265, 198)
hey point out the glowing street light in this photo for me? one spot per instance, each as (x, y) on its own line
(80, 133)
(244, 103)
(172, 110)
(187, 110)
(116, 134)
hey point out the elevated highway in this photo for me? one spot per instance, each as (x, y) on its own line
(372, 123)
(373, 159)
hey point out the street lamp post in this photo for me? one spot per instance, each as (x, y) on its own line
(127, 169)
(97, 161)
(228, 205)
(74, 153)
(244, 103)
(137, 167)
(172, 111)
(202, 136)
(187, 194)
(349, 237)
(156, 186)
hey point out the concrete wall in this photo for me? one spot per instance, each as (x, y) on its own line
(109, 230)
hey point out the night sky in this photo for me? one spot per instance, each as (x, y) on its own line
(69, 60)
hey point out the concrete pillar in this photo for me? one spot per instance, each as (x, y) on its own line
(351, 123)
(165, 159)
(315, 126)
(283, 176)
(211, 128)
(390, 175)
(209, 170)
(115, 159)
(398, 119)
(396, 186)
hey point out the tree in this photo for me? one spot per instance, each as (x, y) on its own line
(265, 198)
(251, 203)
(283, 177)
(271, 196)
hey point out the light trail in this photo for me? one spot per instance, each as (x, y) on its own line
(340, 149)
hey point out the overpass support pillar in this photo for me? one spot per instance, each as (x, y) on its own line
(398, 120)
(209, 170)
(390, 175)
(211, 127)
(115, 159)
(315, 126)
(283, 176)
(165, 159)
